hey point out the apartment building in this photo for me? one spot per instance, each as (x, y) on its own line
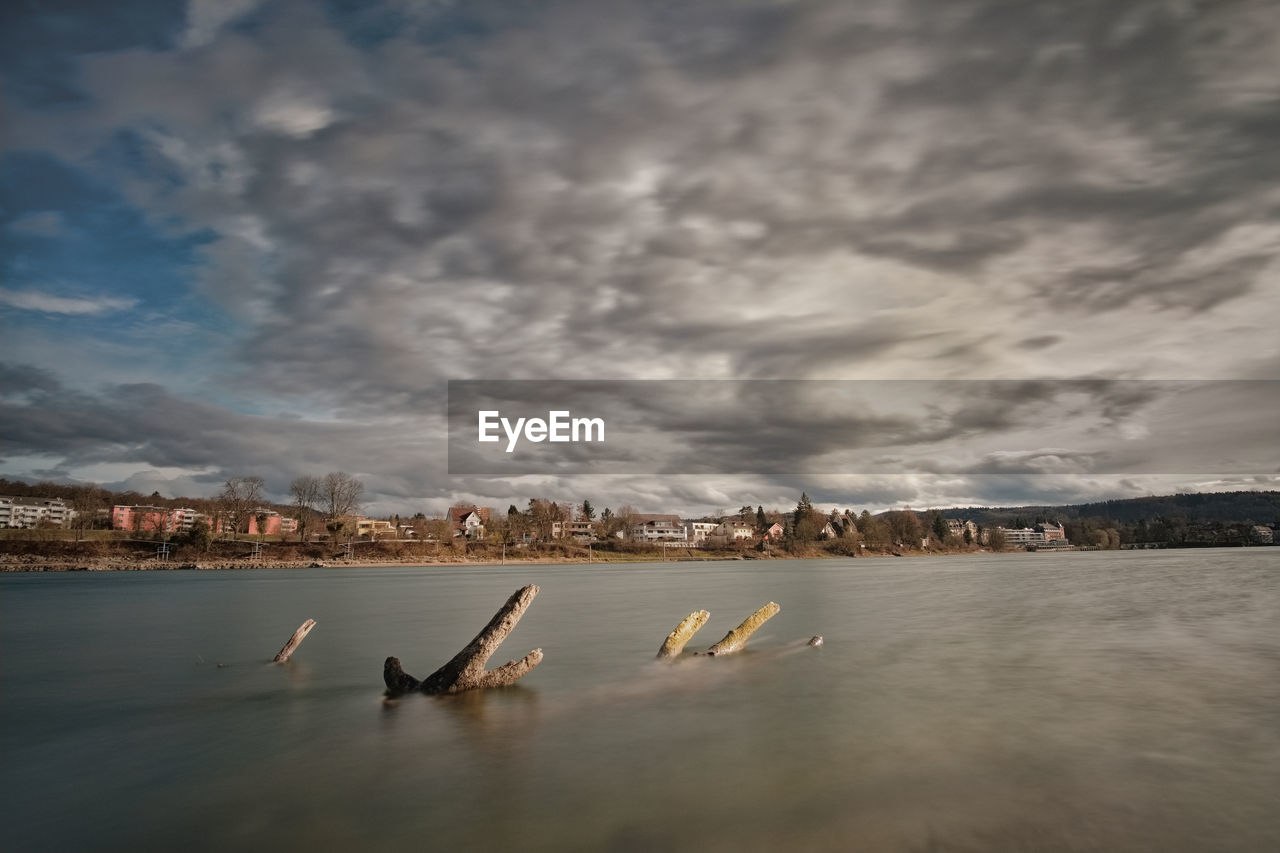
(24, 512)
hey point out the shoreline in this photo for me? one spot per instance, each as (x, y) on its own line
(32, 563)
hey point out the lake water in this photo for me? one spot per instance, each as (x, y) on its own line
(1049, 702)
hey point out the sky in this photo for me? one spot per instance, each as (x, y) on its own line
(260, 237)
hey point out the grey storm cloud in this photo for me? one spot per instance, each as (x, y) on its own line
(869, 427)
(901, 190)
(147, 424)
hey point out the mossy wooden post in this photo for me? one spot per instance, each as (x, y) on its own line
(683, 633)
(295, 641)
(466, 670)
(737, 638)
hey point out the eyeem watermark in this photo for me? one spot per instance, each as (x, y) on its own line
(694, 427)
(560, 426)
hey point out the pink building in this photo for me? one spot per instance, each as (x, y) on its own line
(146, 519)
(154, 519)
(273, 524)
(270, 524)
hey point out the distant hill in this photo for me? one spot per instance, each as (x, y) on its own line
(1201, 507)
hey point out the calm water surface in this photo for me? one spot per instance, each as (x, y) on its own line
(1089, 701)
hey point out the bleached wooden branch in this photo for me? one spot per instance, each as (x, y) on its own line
(295, 641)
(676, 640)
(466, 670)
(737, 638)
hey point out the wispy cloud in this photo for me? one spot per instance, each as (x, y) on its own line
(205, 18)
(48, 303)
(43, 223)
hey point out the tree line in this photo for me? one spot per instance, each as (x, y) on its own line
(326, 503)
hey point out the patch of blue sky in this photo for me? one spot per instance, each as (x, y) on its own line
(64, 234)
(368, 25)
(40, 43)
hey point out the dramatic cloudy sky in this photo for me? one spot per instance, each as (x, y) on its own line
(260, 236)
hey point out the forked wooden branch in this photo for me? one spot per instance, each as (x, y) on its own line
(676, 640)
(466, 671)
(295, 641)
(736, 639)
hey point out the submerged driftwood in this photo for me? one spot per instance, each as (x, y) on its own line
(675, 642)
(466, 671)
(737, 638)
(733, 641)
(294, 641)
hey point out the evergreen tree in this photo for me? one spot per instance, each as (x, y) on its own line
(806, 522)
(762, 523)
(803, 508)
(587, 511)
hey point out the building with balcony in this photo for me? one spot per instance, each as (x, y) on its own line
(26, 512)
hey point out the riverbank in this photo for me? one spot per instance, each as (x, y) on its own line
(38, 563)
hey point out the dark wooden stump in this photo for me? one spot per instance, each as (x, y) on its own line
(466, 670)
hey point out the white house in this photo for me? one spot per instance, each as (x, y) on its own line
(584, 531)
(696, 532)
(469, 521)
(667, 529)
(731, 531)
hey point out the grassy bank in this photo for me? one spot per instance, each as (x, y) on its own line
(44, 553)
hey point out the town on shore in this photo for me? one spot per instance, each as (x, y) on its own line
(51, 525)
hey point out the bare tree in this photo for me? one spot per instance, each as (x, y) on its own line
(340, 494)
(542, 513)
(306, 493)
(626, 517)
(86, 500)
(436, 529)
(239, 497)
(498, 529)
(904, 527)
(560, 513)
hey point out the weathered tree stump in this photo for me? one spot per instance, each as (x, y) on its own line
(676, 640)
(466, 670)
(295, 641)
(736, 639)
